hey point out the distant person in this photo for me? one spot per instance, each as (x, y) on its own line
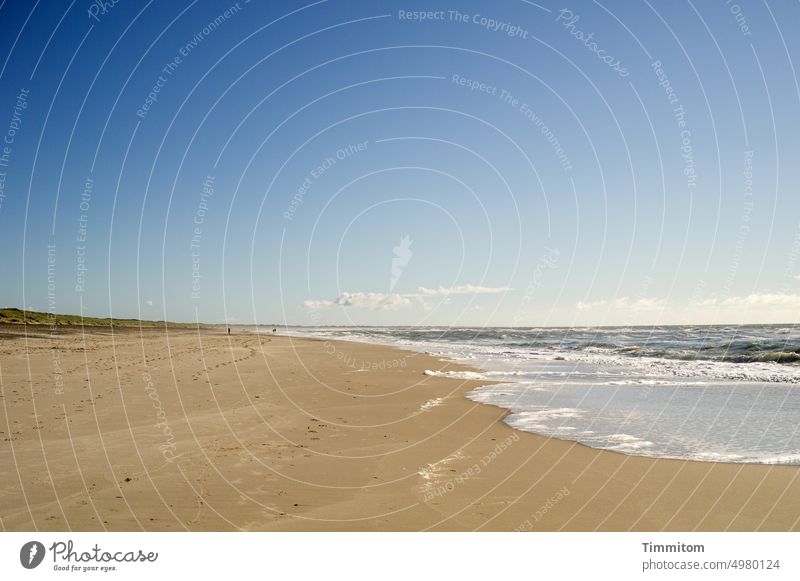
(229, 330)
(275, 330)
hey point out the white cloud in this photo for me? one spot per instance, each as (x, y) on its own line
(466, 289)
(372, 301)
(643, 304)
(581, 306)
(796, 277)
(149, 303)
(755, 300)
(390, 301)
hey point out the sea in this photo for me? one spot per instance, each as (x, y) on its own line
(711, 393)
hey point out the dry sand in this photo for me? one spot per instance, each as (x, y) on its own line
(187, 430)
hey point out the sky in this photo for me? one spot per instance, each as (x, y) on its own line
(401, 163)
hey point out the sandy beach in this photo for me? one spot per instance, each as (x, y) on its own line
(169, 430)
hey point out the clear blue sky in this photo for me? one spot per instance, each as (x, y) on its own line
(349, 162)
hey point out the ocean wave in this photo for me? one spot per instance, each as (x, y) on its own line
(792, 459)
(757, 354)
(763, 371)
(631, 447)
(717, 394)
(624, 438)
(470, 375)
(652, 382)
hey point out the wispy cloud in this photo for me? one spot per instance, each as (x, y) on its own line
(401, 258)
(371, 301)
(466, 289)
(390, 301)
(752, 300)
(587, 306)
(624, 303)
(778, 304)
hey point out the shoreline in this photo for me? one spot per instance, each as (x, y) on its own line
(272, 432)
(506, 412)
